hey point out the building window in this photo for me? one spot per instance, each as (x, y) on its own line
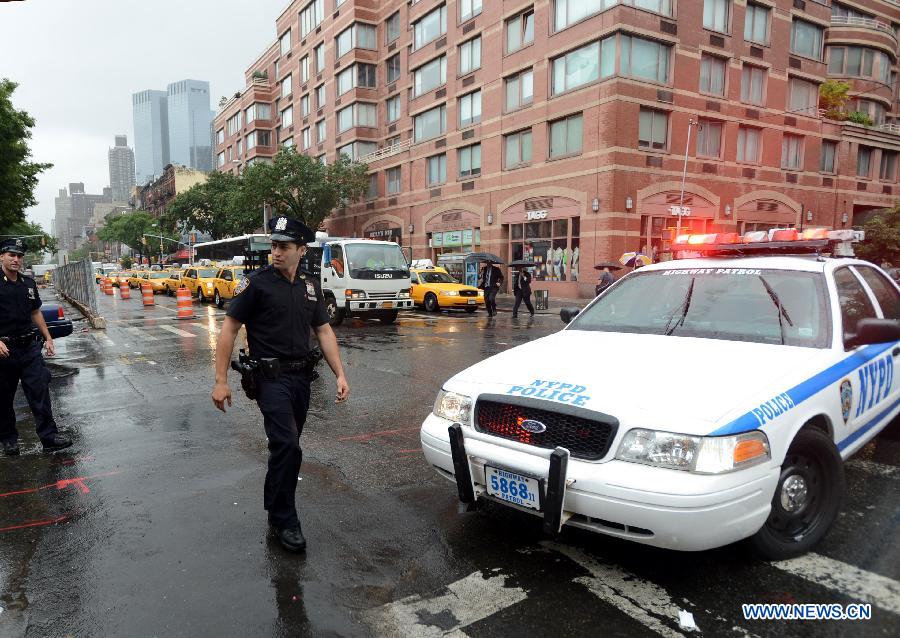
(712, 74)
(518, 148)
(803, 97)
(358, 75)
(470, 109)
(520, 31)
(357, 35)
(519, 90)
(749, 144)
(304, 69)
(470, 55)
(392, 27)
(437, 170)
(319, 52)
(792, 152)
(321, 159)
(716, 15)
(372, 191)
(709, 139)
(258, 111)
(547, 244)
(394, 140)
(806, 39)
(753, 83)
(320, 131)
(430, 124)
(358, 114)
(829, 152)
(469, 9)
(756, 24)
(355, 151)
(287, 116)
(393, 68)
(220, 136)
(576, 68)
(307, 139)
(430, 76)
(863, 161)
(888, 168)
(285, 42)
(875, 110)
(644, 59)
(288, 143)
(286, 86)
(320, 96)
(468, 159)
(653, 128)
(393, 109)
(304, 105)
(430, 27)
(220, 159)
(393, 180)
(311, 17)
(859, 62)
(566, 136)
(234, 123)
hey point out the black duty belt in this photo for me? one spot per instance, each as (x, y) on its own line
(21, 340)
(292, 364)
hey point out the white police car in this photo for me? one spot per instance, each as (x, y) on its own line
(693, 404)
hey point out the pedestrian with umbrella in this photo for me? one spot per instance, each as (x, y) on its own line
(606, 277)
(489, 279)
(522, 285)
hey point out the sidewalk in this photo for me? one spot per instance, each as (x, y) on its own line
(505, 303)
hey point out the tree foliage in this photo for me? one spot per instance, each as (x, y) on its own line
(833, 98)
(299, 186)
(18, 175)
(36, 240)
(129, 229)
(215, 207)
(882, 241)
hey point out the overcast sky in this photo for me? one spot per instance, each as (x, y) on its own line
(77, 62)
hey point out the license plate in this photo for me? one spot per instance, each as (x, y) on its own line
(512, 487)
(387, 304)
(472, 302)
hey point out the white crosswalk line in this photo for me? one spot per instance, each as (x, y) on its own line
(878, 469)
(846, 579)
(468, 600)
(176, 331)
(213, 329)
(640, 599)
(103, 339)
(143, 334)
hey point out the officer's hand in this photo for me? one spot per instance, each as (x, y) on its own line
(221, 393)
(4, 351)
(49, 348)
(343, 390)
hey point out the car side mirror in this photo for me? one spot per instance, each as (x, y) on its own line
(567, 314)
(871, 331)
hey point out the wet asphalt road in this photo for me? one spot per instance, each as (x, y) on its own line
(152, 524)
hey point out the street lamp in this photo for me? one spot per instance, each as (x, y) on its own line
(687, 148)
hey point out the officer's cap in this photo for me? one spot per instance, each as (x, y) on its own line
(12, 245)
(290, 229)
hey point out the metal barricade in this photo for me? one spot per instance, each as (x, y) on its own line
(541, 300)
(76, 283)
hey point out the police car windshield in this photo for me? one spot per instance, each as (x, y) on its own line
(365, 260)
(733, 304)
(436, 278)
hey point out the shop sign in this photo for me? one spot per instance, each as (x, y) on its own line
(531, 215)
(385, 234)
(453, 238)
(437, 240)
(680, 211)
(467, 237)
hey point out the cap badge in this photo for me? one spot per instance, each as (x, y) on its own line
(281, 224)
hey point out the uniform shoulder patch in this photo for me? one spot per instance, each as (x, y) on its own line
(242, 286)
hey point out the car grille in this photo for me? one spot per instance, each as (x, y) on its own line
(468, 293)
(381, 295)
(584, 438)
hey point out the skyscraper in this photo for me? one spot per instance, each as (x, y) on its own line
(189, 116)
(151, 134)
(121, 169)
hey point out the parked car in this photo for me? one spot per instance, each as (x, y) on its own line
(55, 317)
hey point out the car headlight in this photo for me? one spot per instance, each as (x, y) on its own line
(450, 293)
(354, 294)
(453, 407)
(403, 294)
(698, 454)
(209, 285)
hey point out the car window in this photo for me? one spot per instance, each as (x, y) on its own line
(885, 292)
(189, 273)
(175, 276)
(208, 272)
(413, 278)
(853, 299)
(226, 275)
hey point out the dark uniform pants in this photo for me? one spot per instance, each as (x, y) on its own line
(523, 294)
(490, 300)
(25, 363)
(284, 403)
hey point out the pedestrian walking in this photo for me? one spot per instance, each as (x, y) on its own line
(20, 354)
(606, 280)
(522, 290)
(280, 306)
(489, 282)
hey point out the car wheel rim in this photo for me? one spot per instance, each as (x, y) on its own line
(800, 500)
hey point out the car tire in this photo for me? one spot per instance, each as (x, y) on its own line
(807, 499)
(220, 303)
(431, 303)
(335, 314)
(388, 317)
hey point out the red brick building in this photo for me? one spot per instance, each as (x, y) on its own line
(557, 129)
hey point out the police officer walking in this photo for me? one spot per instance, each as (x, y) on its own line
(20, 353)
(491, 278)
(522, 290)
(279, 306)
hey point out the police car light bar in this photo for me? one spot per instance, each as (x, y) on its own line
(773, 241)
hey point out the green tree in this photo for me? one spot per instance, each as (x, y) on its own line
(833, 98)
(215, 207)
(18, 174)
(882, 241)
(126, 262)
(37, 241)
(129, 229)
(299, 186)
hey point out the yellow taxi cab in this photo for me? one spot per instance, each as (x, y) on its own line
(434, 289)
(121, 277)
(199, 280)
(225, 282)
(137, 278)
(172, 282)
(157, 280)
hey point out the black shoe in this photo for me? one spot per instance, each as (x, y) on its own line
(58, 442)
(291, 539)
(11, 449)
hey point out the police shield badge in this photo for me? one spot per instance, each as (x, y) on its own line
(281, 224)
(310, 291)
(242, 286)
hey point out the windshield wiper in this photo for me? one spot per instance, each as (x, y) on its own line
(781, 309)
(684, 307)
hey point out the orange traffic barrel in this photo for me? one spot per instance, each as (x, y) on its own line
(124, 290)
(107, 286)
(147, 294)
(185, 306)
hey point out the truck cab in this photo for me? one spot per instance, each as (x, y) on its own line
(359, 277)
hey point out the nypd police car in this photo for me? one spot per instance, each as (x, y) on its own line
(695, 403)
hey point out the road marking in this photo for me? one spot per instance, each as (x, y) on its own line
(845, 579)
(879, 469)
(645, 602)
(143, 334)
(176, 331)
(214, 329)
(103, 339)
(468, 600)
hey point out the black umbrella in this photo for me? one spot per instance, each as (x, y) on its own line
(608, 264)
(491, 257)
(522, 263)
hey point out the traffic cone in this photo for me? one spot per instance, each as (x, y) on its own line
(147, 294)
(124, 290)
(185, 305)
(107, 286)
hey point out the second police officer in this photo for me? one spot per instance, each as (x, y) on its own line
(280, 306)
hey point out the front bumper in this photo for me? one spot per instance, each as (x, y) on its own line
(654, 506)
(460, 302)
(371, 305)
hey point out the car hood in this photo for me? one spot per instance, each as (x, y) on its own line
(449, 287)
(683, 384)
